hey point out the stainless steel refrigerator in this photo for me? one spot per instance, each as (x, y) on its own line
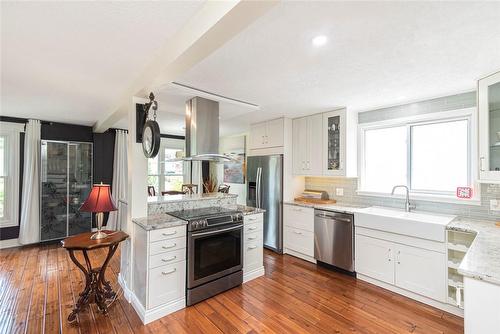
(265, 190)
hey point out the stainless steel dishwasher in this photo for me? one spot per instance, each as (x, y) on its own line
(334, 239)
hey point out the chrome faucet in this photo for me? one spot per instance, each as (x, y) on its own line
(408, 206)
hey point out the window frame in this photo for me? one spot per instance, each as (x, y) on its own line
(11, 131)
(469, 114)
(174, 144)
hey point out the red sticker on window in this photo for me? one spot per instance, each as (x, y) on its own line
(464, 192)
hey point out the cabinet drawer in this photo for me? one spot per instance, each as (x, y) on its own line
(167, 245)
(299, 217)
(166, 284)
(253, 256)
(167, 258)
(256, 218)
(254, 227)
(167, 233)
(299, 240)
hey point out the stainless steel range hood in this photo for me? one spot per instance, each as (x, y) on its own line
(202, 131)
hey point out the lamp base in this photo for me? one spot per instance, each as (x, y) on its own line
(98, 235)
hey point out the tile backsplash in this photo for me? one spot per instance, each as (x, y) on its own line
(349, 185)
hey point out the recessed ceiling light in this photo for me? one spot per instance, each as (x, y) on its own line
(319, 40)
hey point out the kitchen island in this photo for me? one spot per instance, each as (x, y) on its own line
(167, 244)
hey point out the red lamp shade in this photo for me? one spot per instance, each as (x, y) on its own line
(99, 200)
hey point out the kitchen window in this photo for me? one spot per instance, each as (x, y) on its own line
(9, 173)
(162, 174)
(432, 155)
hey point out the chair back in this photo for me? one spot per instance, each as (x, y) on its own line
(224, 188)
(190, 189)
(151, 191)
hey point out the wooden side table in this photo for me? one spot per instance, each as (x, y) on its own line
(97, 289)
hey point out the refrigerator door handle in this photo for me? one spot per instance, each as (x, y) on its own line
(259, 187)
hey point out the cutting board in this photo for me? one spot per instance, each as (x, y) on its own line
(315, 200)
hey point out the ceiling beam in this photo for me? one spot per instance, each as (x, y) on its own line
(210, 28)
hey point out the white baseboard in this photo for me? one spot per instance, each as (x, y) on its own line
(299, 255)
(156, 313)
(248, 276)
(126, 291)
(9, 243)
(442, 306)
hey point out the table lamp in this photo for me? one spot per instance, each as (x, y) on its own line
(99, 201)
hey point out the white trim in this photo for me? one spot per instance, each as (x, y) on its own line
(434, 303)
(11, 132)
(299, 255)
(10, 243)
(253, 274)
(156, 313)
(470, 114)
(127, 293)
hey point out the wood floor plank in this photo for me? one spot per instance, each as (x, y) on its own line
(39, 286)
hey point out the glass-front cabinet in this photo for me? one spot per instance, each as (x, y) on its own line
(489, 128)
(66, 180)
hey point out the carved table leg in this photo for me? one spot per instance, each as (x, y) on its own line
(83, 300)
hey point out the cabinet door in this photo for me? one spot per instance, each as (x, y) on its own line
(489, 123)
(374, 258)
(258, 135)
(274, 133)
(315, 145)
(334, 140)
(299, 143)
(166, 284)
(421, 271)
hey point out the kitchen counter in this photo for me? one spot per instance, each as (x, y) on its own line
(338, 207)
(249, 210)
(482, 260)
(159, 221)
(188, 198)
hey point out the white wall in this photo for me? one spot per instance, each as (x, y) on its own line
(228, 145)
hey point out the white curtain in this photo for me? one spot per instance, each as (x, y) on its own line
(30, 202)
(119, 188)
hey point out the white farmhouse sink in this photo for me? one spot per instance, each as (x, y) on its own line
(419, 225)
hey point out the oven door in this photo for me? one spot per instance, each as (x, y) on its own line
(214, 253)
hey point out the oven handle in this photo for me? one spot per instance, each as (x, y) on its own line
(216, 231)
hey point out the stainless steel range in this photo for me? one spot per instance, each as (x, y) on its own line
(214, 251)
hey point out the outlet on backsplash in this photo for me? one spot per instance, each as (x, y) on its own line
(339, 191)
(494, 205)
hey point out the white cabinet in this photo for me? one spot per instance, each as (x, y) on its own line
(159, 271)
(374, 258)
(267, 134)
(414, 269)
(307, 145)
(253, 246)
(489, 128)
(340, 143)
(298, 232)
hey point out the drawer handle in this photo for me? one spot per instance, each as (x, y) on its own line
(297, 209)
(171, 259)
(252, 228)
(252, 247)
(167, 247)
(252, 238)
(169, 272)
(297, 232)
(252, 219)
(169, 234)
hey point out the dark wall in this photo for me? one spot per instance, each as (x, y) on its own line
(66, 132)
(104, 149)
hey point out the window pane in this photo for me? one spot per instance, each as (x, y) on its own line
(439, 156)
(2, 156)
(385, 159)
(172, 167)
(173, 183)
(154, 181)
(153, 166)
(2, 197)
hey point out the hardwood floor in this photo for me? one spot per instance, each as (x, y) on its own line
(38, 286)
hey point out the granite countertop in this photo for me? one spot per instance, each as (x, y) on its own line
(159, 221)
(482, 260)
(186, 198)
(338, 207)
(249, 210)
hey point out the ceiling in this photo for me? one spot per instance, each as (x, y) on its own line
(70, 62)
(378, 54)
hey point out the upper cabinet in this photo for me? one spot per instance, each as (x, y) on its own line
(489, 128)
(267, 134)
(307, 145)
(325, 144)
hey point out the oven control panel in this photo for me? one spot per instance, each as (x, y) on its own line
(203, 223)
